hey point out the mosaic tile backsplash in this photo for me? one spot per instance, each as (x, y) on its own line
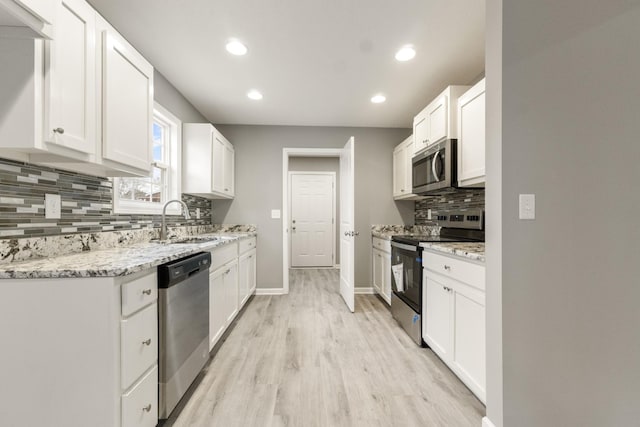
(456, 200)
(87, 204)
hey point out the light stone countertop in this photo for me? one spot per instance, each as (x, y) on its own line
(470, 250)
(113, 262)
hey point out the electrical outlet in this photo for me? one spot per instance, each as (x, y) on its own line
(275, 213)
(52, 206)
(527, 206)
(197, 213)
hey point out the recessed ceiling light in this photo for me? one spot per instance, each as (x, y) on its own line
(406, 53)
(379, 98)
(255, 95)
(234, 47)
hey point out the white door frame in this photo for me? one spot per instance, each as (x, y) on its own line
(333, 211)
(286, 153)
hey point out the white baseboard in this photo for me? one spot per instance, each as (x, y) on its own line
(270, 291)
(364, 291)
(487, 423)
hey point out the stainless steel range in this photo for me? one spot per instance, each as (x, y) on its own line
(406, 265)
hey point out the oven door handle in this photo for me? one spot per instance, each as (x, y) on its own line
(433, 166)
(403, 246)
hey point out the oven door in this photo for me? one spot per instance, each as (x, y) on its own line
(406, 277)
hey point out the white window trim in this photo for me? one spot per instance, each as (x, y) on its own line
(174, 179)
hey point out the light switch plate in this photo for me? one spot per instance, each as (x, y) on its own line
(275, 213)
(52, 206)
(527, 206)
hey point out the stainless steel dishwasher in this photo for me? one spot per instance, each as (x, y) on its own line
(183, 320)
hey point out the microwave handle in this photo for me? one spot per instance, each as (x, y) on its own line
(433, 166)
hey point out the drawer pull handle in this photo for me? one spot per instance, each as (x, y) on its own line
(227, 272)
(147, 342)
(448, 268)
(146, 292)
(147, 408)
(58, 130)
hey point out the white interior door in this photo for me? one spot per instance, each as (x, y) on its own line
(347, 226)
(312, 208)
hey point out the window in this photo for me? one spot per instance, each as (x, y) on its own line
(148, 195)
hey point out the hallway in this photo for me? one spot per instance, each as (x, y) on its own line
(303, 360)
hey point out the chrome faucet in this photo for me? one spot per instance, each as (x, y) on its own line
(163, 227)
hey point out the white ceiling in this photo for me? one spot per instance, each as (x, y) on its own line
(317, 62)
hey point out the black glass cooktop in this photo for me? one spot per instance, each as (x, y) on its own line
(415, 239)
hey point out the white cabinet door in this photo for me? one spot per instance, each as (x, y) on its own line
(437, 117)
(399, 159)
(469, 355)
(471, 136)
(217, 303)
(376, 262)
(244, 280)
(229, 170)
(231, 292)
(252, 272)
(436, 326)
(386, 277)
(127, 102)
(421, 130)
(70, 89)
(408, 165)
(217, 178)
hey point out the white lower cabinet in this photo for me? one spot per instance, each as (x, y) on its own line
(381, 263)
(453, 324)
(83, 352)
(246, 276)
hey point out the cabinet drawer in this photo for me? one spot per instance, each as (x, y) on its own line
(138, 344)
(382, 244)
(223, 254)
(463, 271)
(138, 293)
(140, 404)
(247, 244)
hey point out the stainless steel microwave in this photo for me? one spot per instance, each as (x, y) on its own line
(434, 170)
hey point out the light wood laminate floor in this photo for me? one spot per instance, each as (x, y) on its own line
(304, 360)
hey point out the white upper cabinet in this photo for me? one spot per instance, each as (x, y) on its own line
(437, 121)
(82, 101)
(207, 162)
(471, 137)
(402, 171)
(70, 80)
(27, 18)
(126, 103)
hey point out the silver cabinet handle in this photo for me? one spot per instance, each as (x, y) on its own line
(402, 190)
(433, 166)
(147, 408)
(448, 268)
(146, 292)
(147, 342)
(58, 130)
(425, 141)
(227, 272)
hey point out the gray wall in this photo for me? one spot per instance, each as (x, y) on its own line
(259, 186)
(322, 164)
(169, 97)
(570, 284)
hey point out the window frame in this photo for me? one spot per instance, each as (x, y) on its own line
(171, 188)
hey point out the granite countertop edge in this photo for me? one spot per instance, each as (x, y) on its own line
(472, 251)
(114, 262)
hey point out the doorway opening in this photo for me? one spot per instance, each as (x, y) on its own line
(343, 221)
